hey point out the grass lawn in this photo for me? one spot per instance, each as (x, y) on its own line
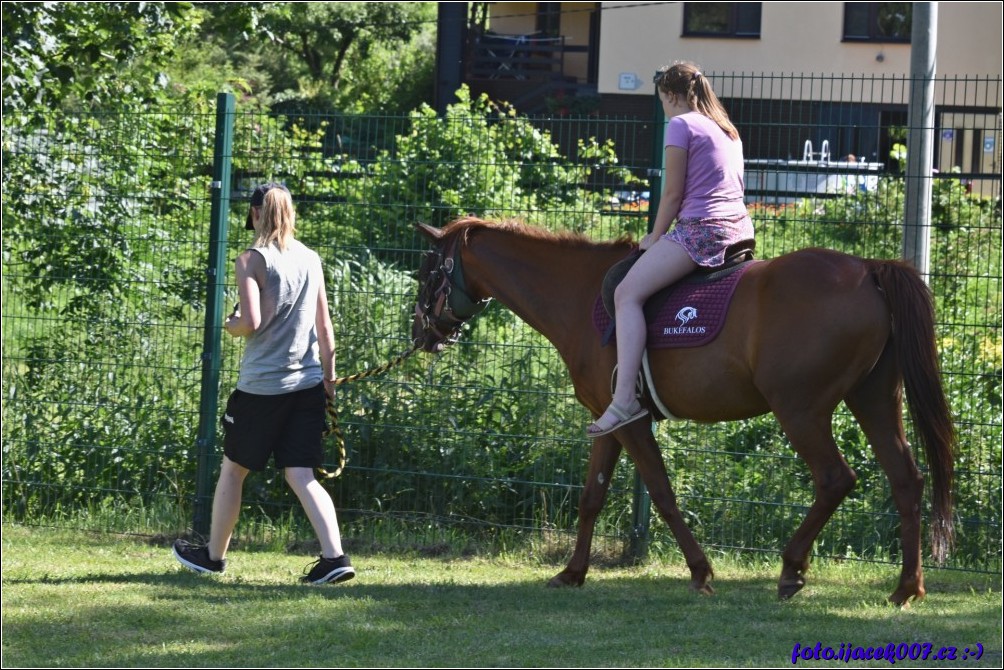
(98, 600)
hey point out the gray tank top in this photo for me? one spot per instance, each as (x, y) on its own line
(282, 355)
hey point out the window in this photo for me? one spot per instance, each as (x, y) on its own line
(721, 19)
(549, 18)
(877, 21)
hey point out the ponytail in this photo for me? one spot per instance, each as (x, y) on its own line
(278, 220)
(685, 79)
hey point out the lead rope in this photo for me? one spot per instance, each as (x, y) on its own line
(334, 428)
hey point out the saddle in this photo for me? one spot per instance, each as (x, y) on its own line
(703, 291)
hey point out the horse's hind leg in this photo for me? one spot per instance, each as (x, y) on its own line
(602, 460)
(811, 436)
(877, 404)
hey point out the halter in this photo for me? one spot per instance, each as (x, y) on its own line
(444, 304)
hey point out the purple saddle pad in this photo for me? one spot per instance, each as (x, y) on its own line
(689, 315)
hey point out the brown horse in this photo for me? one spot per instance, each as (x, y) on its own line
(805, 331)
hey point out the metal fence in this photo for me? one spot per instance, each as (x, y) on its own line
(121, 231)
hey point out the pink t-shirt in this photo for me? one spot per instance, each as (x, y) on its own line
(714, 186)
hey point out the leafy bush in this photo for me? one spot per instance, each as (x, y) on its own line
(479, 158)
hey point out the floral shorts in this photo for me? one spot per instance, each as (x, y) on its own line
(707, 239)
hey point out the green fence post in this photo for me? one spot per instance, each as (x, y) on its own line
(658, 156)
(215, 282)
(641, 512)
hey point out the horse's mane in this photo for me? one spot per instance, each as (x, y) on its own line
(468, 225)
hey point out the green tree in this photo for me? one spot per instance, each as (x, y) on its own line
(349, 57)
(225, 53)
(327, 49)
(320, 35)
(72, 54)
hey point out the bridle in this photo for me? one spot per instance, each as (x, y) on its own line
(444, 303)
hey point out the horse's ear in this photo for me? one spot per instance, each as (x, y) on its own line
(430, 232)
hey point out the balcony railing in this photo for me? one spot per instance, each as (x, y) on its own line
(497, 56)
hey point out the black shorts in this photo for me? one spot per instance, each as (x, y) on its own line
(290, 425)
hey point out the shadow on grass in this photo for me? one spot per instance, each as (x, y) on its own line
(614, 620)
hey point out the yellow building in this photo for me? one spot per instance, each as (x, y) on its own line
(793, 74)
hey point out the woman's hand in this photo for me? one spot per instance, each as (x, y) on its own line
(648, 241)
(233, 318)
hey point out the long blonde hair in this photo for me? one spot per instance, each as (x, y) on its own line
(276, 220)
(686, 80)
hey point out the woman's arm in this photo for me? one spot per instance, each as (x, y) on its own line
(325, 339)
(250, 271)
(673, 182)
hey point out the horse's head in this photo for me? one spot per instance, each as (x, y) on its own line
(443, 303)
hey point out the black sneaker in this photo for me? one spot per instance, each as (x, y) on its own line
(196, 557)
(333, 570)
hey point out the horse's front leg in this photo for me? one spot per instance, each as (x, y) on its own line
(602, 460)
(643, 449)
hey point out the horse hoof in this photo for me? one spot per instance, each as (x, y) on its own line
(702, 588)
(562, 580)
(786, 588)
(901, 597)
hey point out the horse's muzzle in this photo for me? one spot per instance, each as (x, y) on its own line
(424, 335)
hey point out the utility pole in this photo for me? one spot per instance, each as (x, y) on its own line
(920, 137)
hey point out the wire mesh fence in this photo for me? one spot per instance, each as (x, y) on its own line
(105, 290)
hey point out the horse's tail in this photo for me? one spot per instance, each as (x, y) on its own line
(912, 309)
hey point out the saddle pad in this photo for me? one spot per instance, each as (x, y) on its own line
(691, 315)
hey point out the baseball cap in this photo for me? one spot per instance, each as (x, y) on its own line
(258, 197)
